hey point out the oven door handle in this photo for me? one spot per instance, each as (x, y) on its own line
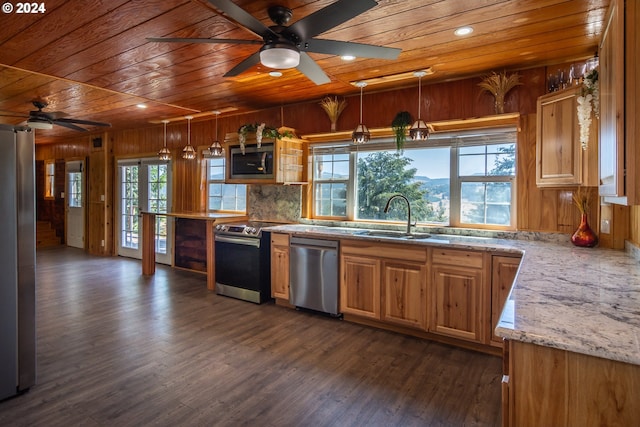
(247, 241)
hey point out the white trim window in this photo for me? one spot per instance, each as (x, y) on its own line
(466, 179)
(221, 196)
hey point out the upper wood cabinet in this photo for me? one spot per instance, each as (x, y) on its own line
(619, 112)
(289, 159)
(560, 159)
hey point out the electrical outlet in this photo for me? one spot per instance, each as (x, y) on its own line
(102, 243)
(605, 226)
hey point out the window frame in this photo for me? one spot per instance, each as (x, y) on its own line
(453, 140)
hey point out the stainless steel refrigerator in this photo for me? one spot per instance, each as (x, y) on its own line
(17, 261)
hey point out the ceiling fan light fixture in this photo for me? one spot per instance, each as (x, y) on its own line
(39, 124)
(279, 56)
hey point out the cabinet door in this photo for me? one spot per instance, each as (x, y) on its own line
(457, 302)
(360, 286)
(404, 296)
(558, 150)
(280, 266)
(503, 271)
(611, 80)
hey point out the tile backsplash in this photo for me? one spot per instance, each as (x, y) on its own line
(279, 203)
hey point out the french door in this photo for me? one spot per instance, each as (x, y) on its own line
(143, 186)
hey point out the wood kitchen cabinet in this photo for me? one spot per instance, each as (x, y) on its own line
(503, 272)
(359, 285)
(560, 159)
(385, 282)
(458, 295)
(280, 266)
(404, 291)
(619, 110)
(544, 386)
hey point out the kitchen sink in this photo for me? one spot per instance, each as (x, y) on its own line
(393, 234)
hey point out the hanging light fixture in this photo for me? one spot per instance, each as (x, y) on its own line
(164, 153)
(188, 152)
(419, 130)
(215, 149)
(361, 134)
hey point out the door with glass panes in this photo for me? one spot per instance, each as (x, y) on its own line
(143, 186)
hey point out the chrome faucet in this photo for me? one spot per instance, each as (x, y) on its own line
(386, 209)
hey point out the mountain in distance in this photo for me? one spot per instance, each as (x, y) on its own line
(438, 188)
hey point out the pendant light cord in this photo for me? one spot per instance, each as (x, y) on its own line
(419, 95)
(165, 133)
(361, 87)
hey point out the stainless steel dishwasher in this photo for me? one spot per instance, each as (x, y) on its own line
(313, 274)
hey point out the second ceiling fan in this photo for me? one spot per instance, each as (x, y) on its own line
(285, 46)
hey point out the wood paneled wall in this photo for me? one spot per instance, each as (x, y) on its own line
(549, 210)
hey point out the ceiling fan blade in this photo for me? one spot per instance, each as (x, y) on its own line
(329, 17)
(187, 40)
(309, 68)
(335, 47)
(242, 17)
(244, 65)
(70, 126)
(80, 122)
(20, 116)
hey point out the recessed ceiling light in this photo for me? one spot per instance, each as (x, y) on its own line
(275, 73)
(347, 57)
(463, 31)
(141, 106)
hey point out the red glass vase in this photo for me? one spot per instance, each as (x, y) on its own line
(584, 235)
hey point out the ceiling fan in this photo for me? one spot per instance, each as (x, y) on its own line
(287, 46)
(45, 120)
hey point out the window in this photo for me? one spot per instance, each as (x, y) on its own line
(459, 180)
(49, 179)
(221, 196)
(331, 178)
(75, 189)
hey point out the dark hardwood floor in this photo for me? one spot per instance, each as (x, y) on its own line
(116, 348)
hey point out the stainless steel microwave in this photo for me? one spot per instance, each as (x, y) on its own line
(255, 163)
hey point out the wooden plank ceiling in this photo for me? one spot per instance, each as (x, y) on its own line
(90, 58)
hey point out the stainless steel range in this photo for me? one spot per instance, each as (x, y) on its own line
(243, 261)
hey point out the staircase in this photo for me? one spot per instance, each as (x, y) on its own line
(46, 235)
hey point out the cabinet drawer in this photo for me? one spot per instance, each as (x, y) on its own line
(280, 239)
(457, 257)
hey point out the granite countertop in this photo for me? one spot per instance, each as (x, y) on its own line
(584, 300)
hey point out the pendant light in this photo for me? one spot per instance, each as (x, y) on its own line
(215, 149)
(188, 152)
(164, 153)
(361, 134)
(419, 130)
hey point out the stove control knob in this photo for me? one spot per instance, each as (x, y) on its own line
(252, 230)
(218, 227)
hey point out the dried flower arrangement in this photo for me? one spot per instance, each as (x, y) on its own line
(261, 131)
(588, 101)
(498, 85)
(333, 107)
